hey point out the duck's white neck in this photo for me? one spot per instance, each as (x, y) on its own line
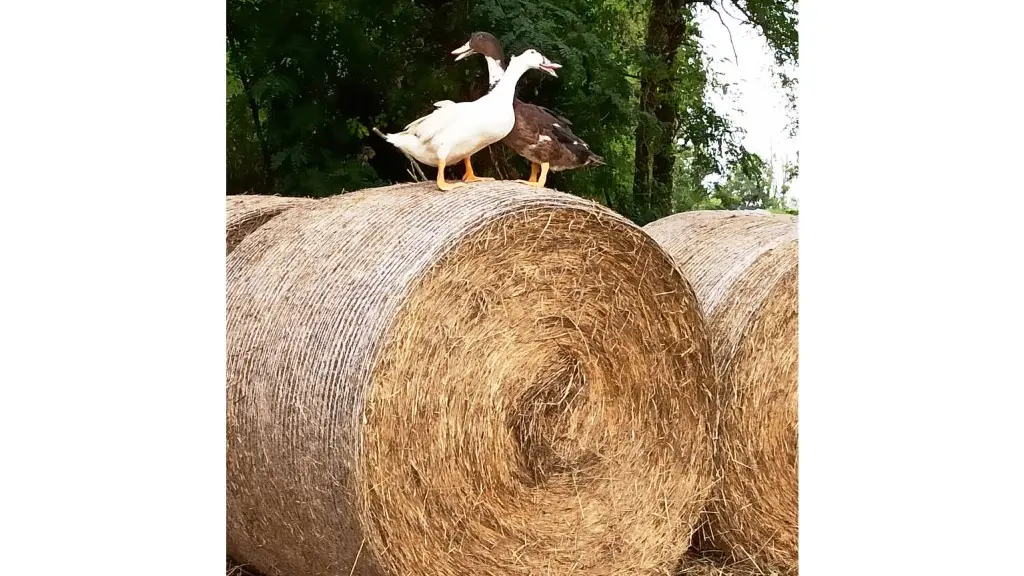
(506, 87)
(494, 72)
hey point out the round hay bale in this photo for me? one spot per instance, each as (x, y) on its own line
(743, 268)
(248, 212)
(495, 380)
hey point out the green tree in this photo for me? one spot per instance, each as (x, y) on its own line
(673, 104)
(752, 185)
(308, 79)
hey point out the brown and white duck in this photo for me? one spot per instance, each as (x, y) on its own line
(539, 135)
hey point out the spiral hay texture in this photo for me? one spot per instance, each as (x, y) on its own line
(494, 380)
(743, 268)
(248, 212)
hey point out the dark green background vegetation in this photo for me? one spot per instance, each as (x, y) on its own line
(308, 79)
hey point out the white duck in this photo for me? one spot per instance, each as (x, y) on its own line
(457, 130)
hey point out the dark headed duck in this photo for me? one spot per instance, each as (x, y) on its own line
(539, 135)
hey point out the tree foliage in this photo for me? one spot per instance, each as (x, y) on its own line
(307, 80)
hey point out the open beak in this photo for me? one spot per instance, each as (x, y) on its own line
(550, 67)
(462, 51)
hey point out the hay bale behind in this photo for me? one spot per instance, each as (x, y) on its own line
(743, 268)
(248, 212)
(495, 380)
(235, 568)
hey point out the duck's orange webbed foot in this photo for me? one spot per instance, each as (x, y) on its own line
(442, 184)
(469, 176)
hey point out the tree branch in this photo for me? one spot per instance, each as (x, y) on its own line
(416, 167)
(494, 162)
(750, 18)
(731, 43)
(608, 199)
(729, 14)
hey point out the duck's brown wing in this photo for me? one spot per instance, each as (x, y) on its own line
(544, 136)
(558, 126)
(554, 124)
(562, 119)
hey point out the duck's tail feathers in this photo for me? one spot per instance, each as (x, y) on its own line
(397, 140)
(403, 141)
(595, 160)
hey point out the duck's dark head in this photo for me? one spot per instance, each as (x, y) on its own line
(480, 43)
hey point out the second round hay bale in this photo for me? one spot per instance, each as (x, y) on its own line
(743, 268)
(496, 380)
(248, 212)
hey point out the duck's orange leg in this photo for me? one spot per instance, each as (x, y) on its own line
(441, 183)
(534, 170)
(540, 180)
(469, 176)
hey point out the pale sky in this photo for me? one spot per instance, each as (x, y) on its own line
(756, 102)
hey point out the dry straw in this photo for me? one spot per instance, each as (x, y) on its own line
(495, 380)
(248, 212)
(743, 268)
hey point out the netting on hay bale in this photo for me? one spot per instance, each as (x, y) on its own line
(495, 380)
(743, 268)
(246, 213)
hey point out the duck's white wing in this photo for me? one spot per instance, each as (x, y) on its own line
(427, 127)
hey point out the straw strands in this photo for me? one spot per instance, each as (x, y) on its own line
(248, 212)
(743, 268)
(495, 380)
